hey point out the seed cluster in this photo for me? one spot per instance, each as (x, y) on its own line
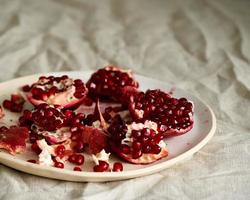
(107, 82)
(168, 112)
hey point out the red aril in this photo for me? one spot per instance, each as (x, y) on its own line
(101, 167)
(58, 165)
(77, 168)
(117, 167)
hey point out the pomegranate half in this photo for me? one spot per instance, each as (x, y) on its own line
(62, 91)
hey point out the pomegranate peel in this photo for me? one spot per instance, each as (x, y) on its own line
(13, 139)
(95, 139)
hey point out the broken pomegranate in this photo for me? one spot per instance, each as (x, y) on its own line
(136, 143)
(173, 116)
(62, 91)
(15, 104)
(111, 83)
(13, 139)
(45, 117)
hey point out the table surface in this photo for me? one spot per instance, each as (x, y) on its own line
(201, 46)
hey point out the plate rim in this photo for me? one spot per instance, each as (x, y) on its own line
(7, 159)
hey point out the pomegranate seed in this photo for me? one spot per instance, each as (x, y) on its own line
(152, 142)
(59, 151)
(68, 113)
(32, 161)
(72, 158)
(146, 149)
(158, 138)
(125, 149)
(136, 154)
(79, 147)
(156, 149)
(146, 132)
(64, 77)
(102, 167)
(16, 107)
(49, 113)
(79, 159)
(26, 88)
(17, 99)
(152, 134)
(144, 140)
(136, 146)
(59, 165)
(78, 82)
(7, 104)
(42, 78)
(77, 168)
(36, 148)
(78, 95)
(117, 167)
(136, 134)
(27, 114)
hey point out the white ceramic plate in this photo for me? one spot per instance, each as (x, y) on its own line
(180, 148)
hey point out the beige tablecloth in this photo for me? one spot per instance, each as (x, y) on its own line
(201, 46)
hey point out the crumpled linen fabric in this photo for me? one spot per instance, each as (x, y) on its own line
(201, 46)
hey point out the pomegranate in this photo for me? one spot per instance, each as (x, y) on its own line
(13, 139)
(62, 91)
(15, 104)
(173, 116)
(110, 83)
(136, 143)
